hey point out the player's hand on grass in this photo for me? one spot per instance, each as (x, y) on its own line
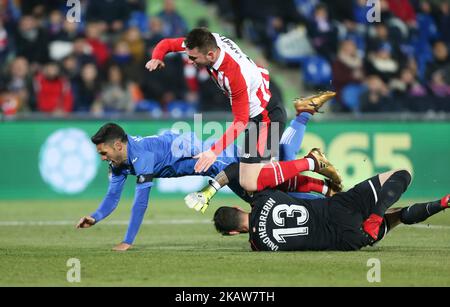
(86, 222)
(122, 247)
(205, 160)
(154, 64)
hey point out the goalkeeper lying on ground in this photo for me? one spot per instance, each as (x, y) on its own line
(347, 221)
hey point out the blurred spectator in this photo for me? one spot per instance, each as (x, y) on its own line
(60, 43)
(174, 23)
(427, 28)
(31, 41)
(55, 25)
(323, 33)
(408, 92)
(403, 10)
(40, 6)
(377, 36)
(70, 67)
(53, 91)
(16, 87)
(444, 21)
(439, 86)
(340, 10)
(69, 32)
(156, 34)
(306, 8)
(377, 98)
(382, 64)
(86, 88)
(111, 14)
(116, 95)
(441, 60)
(137, 5)
(136, 44)
(4, 43)
(360, 10)
(9, 14)
(100, 49)
(122, 57)
(348, 67)
(82, 51)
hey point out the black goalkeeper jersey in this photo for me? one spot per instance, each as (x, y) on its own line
(282, 223)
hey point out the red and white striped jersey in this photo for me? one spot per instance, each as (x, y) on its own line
(246, 84)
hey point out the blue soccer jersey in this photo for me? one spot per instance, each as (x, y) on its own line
(162, 156)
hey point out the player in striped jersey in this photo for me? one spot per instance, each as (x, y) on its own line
(255, 111)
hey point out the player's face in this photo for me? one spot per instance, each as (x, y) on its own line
(111, 152)
(198, 58)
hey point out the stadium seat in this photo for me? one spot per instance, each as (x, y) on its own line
(350, 96)
(149, 106)
(316, 71)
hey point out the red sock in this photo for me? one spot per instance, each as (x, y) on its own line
(303, 184)
(274, 174)
(372, 225)
(445, 201)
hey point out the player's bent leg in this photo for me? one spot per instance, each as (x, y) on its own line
(385, 176)
(393, 185)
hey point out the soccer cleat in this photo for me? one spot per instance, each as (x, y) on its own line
(312, 104)
(371, 226)
(199, 201)
(323, 166)
(445, 201)
(333, 187)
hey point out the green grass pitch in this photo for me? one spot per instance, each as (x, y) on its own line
(37, 238)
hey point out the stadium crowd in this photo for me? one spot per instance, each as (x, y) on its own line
(53, 65)
(396, 59)
(96, 65)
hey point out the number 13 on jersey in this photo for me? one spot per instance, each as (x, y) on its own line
(290, 210)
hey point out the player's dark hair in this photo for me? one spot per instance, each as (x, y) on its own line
(227, 219)
(109, 133)
(202, 39)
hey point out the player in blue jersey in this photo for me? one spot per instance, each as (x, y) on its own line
(167, 155)
(171, 155)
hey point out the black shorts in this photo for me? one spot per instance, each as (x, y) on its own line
(262, 139)
(350, 209)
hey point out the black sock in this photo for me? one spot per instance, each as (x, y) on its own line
(391, 191)
(420, 212)
(232, 172)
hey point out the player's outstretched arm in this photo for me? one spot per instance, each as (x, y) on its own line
(137, 216)
(85, 222)
(161, 49)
